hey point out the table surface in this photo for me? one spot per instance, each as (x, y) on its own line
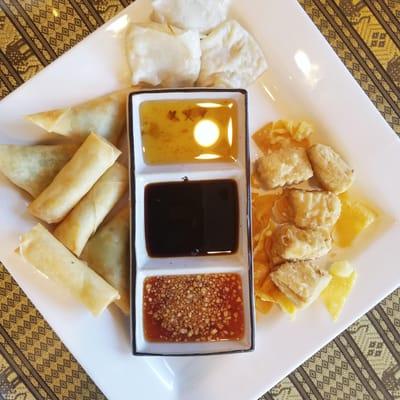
(361, 363)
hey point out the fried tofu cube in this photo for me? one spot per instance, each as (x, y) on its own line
(293, 244)
(312, 209)
(302, 282)
(331, 171)
(286, 166)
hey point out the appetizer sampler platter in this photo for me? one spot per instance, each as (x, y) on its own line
(296, 85)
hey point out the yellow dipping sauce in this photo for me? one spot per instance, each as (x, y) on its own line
(189, 131)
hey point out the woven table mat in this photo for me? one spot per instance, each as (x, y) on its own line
(362, 363)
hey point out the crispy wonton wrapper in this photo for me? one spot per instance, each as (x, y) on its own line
(107, 253)
(82, 222)
(75, 179)
(262, 306)
(41, 249)
(354, 218)
(336, 293)
(32, 168)
(283, 133)
(269, 292)
(104, 115)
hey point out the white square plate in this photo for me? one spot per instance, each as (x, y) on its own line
(305, 79)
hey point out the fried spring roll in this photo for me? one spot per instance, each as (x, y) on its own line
(32, 168)
(75, 179)
(107, 253)
(82, 222)
(104, 115)
(41, 249)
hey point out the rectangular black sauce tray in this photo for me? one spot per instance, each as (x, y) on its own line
(190, 219)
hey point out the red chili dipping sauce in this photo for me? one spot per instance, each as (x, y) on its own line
(193, 308)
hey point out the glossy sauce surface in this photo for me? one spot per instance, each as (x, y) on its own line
(188, 131)
(191, 218)
(193, 308)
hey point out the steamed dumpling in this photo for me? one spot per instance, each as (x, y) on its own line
(199, 15)
(160, 55)
(104, 115)
(32, 168)
(230, 57)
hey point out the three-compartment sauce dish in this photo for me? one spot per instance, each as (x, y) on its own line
(191, 259)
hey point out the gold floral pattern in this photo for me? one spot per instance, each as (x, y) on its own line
(362, 363)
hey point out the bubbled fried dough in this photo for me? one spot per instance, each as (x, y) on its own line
(302, 282)
(331, 171)
(290, 243)
(313, 209)
(283, 167)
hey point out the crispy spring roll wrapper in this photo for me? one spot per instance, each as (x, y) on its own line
(75, 179)
(107, 253)
(32, 168)
(82, 222)
(104, 115)
(41, 249)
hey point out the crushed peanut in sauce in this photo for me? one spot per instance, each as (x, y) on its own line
(193, 308)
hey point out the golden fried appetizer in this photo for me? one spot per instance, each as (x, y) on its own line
(293, 244)
(75, 179)
(104, 115)
(32, 168)
(331, 171)
(286, 166)
(107, 253)
(312, 209)
(41, 249)
(82, 222)
(302, 282)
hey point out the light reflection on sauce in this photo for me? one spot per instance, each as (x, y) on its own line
(206, 156)
(179, 131)
(206, 132)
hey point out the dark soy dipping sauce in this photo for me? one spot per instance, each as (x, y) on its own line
(191, 218)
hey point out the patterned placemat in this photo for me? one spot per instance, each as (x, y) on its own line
(362, 363)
